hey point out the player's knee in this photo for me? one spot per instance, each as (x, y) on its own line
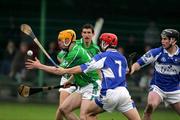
(149, 109)
(152, 104)
(91, 116)
(63, 110)
(59, 110)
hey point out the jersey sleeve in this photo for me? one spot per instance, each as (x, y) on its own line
(61, 54)
(149, 57)
(79, 42)
(97, 62)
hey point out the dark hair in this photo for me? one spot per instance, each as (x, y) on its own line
(88, 26)
(170, 33)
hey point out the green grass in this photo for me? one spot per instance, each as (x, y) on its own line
(29, 111)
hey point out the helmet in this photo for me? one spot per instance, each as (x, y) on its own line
(108, 40)
(170, 33)
(69, 35)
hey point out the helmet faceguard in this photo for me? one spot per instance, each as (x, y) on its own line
(67, 36)
(108, 40)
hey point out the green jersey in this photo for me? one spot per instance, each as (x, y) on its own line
(92, 50)
(78, 56)
(61, 54)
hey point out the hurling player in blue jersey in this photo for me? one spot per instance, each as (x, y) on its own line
(113, 65)
(165, 84)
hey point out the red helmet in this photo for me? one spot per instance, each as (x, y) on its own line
(108, 40)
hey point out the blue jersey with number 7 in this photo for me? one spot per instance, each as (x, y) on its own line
(113, 67)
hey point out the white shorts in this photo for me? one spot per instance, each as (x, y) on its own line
(70, 89)
(88, 92)
(116, 99)
(167, 97)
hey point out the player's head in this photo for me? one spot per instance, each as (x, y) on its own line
(66, 37)
(87, 32)
(169, 37)
(88, 26)
(170, 33)
(108, 40)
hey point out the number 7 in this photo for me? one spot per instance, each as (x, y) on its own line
(119, 63)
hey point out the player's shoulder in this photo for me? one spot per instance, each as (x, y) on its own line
(112, 53)
(95, 46)
(79, 41)
(61, 54)
(156, 51)
(77, 51)
(77, 47)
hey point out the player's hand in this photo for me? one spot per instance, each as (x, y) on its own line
(134, 67)
(67, 84)
(32, 64)
(61, 70)
(132, 70)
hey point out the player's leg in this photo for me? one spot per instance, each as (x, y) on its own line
(176, 107)
(153, 101)
(122, 102)
(173, 98)
(132, 114)
(88, 94)
(83, 110)
(93, 110)
(62, 96)
(89, 110)
(71, 103)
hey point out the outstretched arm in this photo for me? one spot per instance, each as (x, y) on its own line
(35, 64)
(73, 70)
(87, 67)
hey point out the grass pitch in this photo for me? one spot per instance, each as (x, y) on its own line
(31, 111)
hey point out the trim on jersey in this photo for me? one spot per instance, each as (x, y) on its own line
(171, 55)
(147, 58)
(81, 40)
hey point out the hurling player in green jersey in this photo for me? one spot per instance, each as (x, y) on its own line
(87, 85)
(87, 33)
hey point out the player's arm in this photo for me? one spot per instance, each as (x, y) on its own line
(146, 59)
(69, 81)
(73, 70)
(35, 64)
(135, 67)
(87, 67)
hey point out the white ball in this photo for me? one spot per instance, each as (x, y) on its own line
(29, 52)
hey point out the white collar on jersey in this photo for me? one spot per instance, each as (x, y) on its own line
(81, 40)
(111, 49)
(176, 53)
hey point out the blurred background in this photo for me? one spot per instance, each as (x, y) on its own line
(137, 24)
